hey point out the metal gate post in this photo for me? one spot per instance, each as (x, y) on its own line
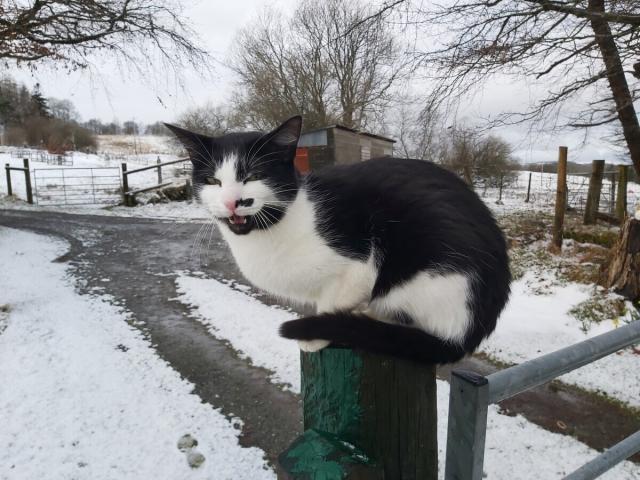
(468, 405)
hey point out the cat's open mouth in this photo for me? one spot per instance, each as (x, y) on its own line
(237, 219)
(240, 224)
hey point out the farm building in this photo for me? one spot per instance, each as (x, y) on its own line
(337, 144)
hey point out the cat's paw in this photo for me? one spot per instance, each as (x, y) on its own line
(312, 345)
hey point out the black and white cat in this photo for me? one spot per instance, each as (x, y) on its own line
(398, 256)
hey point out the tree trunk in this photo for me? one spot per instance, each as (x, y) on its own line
(617, 82)
(593, 197)
(623, 275)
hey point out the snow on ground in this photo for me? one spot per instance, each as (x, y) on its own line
(84, 395)
(249, 325)
(515, 448)
(534, 324)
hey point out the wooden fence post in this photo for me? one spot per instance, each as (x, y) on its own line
(526, 200)
(7, 169)
(27, 180)
(595, 188)
(125, 184)
(499, 202)
(621, 198)
(366, 417)
(561, 200)
(612, 193)
(159, 171)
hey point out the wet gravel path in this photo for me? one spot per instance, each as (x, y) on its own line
(135, 260)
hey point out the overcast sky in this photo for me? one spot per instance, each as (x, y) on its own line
(110, 93)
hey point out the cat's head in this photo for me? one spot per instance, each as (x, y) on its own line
(246, 180)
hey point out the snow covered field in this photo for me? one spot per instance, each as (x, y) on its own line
(515, 448)
(85, 396)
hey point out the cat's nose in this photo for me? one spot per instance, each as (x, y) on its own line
(231, 205)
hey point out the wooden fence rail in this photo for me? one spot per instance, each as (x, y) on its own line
(128, 195)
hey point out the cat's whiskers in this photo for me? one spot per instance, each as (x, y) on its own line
(263, 222)
(209, 243)
(249, 160)
(195, 240)
(253, 163)
(202, 240)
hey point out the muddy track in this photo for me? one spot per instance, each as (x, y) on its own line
(135, 261)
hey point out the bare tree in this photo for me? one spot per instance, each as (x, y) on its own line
(141, 33)
(586, 49)
(418, 131)
(324, 62)
(208, 119)
(63, 109)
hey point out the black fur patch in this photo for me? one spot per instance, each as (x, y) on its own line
(416, 216)
(359, 331)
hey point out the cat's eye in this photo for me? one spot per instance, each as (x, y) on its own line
(253, 177)
(213, 181)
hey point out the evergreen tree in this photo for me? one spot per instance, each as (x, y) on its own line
(40, 105)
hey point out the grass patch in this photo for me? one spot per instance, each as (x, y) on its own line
(604, 238)
(599, 307)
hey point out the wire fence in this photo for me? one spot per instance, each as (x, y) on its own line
(539, 189)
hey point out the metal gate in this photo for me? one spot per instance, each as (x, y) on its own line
(77, 186)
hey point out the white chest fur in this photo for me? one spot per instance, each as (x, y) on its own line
(293, 261)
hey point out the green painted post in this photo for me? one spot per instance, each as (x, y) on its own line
(366, 417)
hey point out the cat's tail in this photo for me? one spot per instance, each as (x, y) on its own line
(360, 331)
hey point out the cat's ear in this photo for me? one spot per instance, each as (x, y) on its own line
(287, 134)
(197, 145)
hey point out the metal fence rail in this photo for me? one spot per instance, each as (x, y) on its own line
(471, 395)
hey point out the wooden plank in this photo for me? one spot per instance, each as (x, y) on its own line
(147, 189)
(149, 167)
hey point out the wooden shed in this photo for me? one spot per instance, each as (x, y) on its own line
(337, 144)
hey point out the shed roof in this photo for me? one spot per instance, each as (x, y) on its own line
(342, 127)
